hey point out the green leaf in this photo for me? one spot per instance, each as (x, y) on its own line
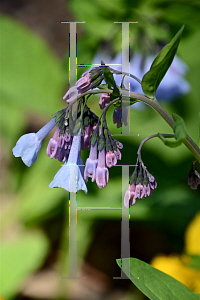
(108, 77)
(160, 65)
(19, 259)
(155, 284)
(179, 132)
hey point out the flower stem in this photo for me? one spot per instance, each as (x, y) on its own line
(148, 138)
(153, 103)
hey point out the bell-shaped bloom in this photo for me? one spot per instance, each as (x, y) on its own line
(71, 94)
(70, 175)
(111, 159)
(91, 163)
(104, 100)
(102, 173)
(146, 191)
(130, 196)
(139, 191)
(28, 145)
(84, 83)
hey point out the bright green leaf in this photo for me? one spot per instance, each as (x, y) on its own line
(179, 133)
(160, 65)
(19, 259)
(108, 77)
(155, 284)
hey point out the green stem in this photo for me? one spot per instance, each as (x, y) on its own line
(189, 143)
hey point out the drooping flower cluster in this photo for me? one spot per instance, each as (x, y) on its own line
(80, 128)
(74, 133)
(141, 185)
(194, 176)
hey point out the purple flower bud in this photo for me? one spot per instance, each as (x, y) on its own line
(52, 148)
(118, 154)
(59, 146)
(146, 191)
(117, 117)
(102, 173)
(84, 83)
(104, 100)
(85, 141)
(130, 196)
(139, 191)
(111, 159)
(193, 178)
(91, 163)
(120, 115)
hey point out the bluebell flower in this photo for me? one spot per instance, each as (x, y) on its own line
(71, 175)
(28, 145)
(172, 86)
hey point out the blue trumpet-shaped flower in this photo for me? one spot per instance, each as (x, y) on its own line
(71, 175)
(28, 145)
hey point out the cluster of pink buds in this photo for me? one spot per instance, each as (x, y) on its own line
(141, 185)
(107, 157)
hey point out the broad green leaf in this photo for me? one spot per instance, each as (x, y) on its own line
(160, 65)
(19, 259)
(155, 284)
(179, 133)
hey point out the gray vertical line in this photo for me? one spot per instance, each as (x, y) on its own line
(125, 67)
(72, 60)
(72, 229)
(72, 196)
(125, 231)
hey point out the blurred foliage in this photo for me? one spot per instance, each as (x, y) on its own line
(32, 85)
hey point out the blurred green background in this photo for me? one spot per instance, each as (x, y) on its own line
(34, 218)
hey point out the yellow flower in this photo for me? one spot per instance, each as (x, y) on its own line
(176, 265)
(192, 236)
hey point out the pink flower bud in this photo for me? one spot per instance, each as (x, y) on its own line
(84, 83)
(104, 100)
